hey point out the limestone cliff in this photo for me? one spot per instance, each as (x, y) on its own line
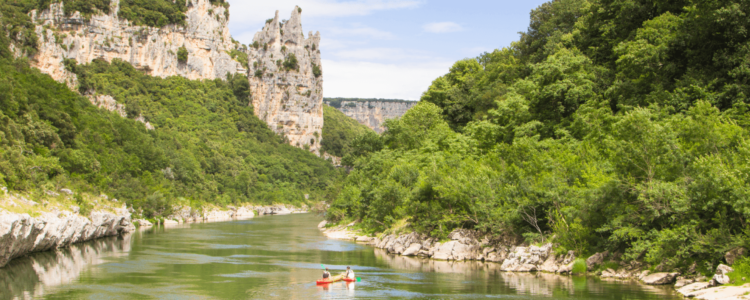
(154, 50)
(373, 113)
(285, 68)
(288, 96)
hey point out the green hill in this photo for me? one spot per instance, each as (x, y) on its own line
(617, 126)
(338, 131)
(207, 148)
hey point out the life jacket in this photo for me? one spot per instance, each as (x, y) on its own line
(326, 274)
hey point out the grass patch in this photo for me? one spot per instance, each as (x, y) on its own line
(579, 267)
(741, 270)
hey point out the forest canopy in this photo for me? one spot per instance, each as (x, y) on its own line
(610, 125)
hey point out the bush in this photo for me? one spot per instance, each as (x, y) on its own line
(182, 55)
(579, 267)
(290, 63)
(316, 70)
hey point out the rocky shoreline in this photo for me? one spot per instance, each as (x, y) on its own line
(22, 234)
(468, 245)
(186, 214)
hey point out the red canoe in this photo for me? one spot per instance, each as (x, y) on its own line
(330, 280)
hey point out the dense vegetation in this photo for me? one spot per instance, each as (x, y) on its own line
(336, 102)
(154, 13)
(207, 148)
(610, 125)
(338, 131)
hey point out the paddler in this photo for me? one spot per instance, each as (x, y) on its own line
(326, 274)
(349, 273)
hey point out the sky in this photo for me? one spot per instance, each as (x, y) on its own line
(391, 48)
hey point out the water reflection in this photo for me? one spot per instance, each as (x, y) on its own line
(538, 283)
(29, 276)
(277, 257)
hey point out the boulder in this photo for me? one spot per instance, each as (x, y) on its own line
(721, 278)
(322, 224)
(444, 251)
(412, 250)
(659, 278)
(67, 191)
(734, 254)
(596, 259)
(683, 282)
(689, 289)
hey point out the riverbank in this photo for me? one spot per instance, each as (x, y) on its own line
(59, 219)
(513, 256)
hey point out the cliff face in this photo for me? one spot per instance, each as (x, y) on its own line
(205, 37)
(373, 113)
(288, 98)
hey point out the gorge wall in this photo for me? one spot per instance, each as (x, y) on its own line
(373, 113)
(284, 68)
(205, 36)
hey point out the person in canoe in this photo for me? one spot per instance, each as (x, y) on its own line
(349, 273)
(326, 274)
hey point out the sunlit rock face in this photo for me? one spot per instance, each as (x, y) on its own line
(21, 234)
(290, 101)
(31, 276)
(373, 113)
(154, 50)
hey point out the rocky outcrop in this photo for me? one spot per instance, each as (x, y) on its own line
(21, 234)
(205, 36)
(373, 113)
(285, 72)
(288, 96)
(186, 214)
(34, 275)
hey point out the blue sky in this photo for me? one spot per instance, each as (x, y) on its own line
(387, 48)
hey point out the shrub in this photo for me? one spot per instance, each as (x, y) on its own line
(316, 70)
(579, 267)
(290, 63)
(182, 55)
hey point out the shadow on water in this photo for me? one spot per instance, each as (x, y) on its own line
(277, 257)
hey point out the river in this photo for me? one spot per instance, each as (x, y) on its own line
(276, 257)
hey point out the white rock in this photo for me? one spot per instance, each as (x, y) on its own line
(412, 250)
(659, 278)
(66, 191)
(21, 234)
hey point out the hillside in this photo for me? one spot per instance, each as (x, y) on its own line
(609, 126)
(339, 131)
(207, 146)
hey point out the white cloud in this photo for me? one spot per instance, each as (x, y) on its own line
(442, 27)
(379, 80)
(255, 11)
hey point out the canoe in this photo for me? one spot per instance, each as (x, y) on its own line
(350, 279)
(330, 280)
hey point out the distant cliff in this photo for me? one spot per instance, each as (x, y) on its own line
(371, 112)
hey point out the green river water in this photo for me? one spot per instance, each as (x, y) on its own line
(276, 257)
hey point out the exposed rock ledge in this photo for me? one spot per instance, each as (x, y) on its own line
(21, 234)
(468, 245)
(186, 214)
